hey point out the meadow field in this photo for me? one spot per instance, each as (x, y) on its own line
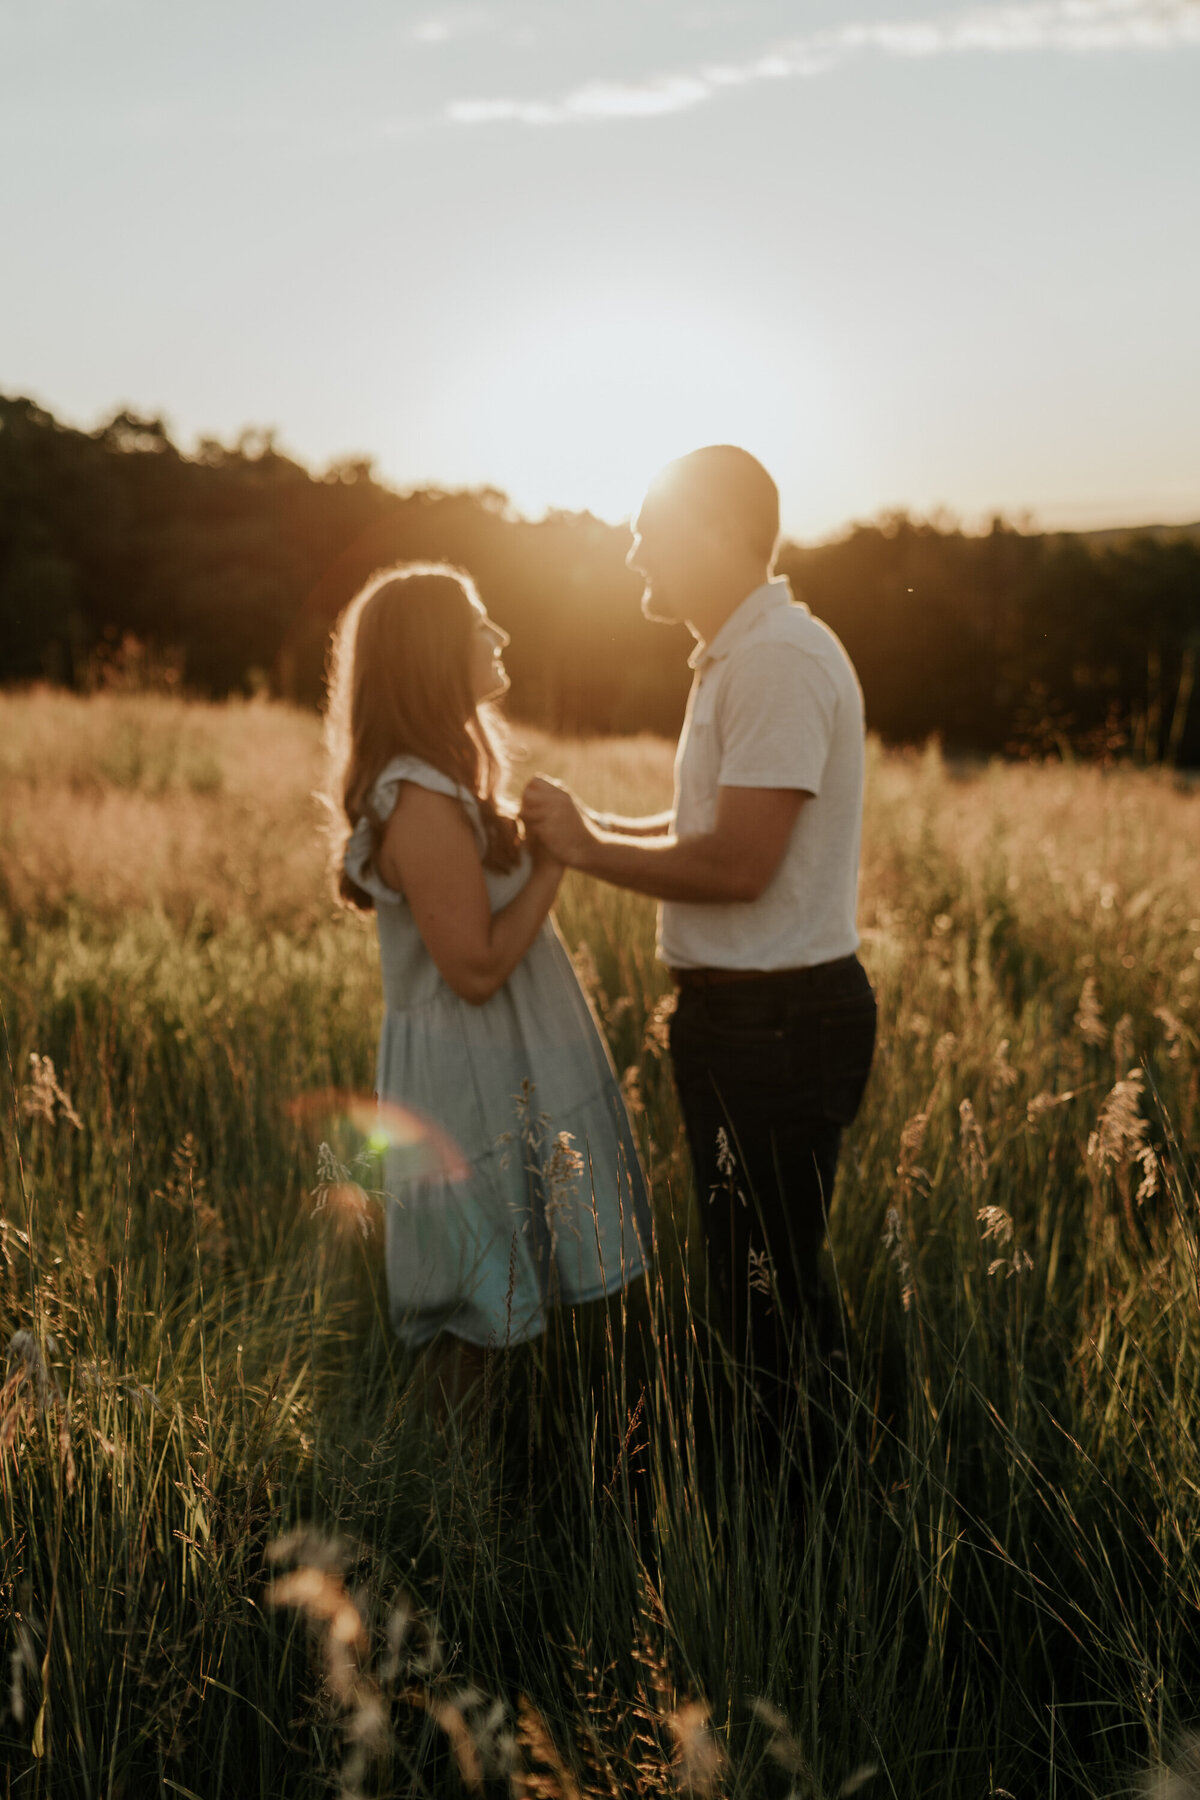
(237, 1557)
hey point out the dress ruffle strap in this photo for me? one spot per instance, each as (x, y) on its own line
(359, 865)
(381, 802)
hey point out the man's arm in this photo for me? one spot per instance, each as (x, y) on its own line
(653, 825)
(734, 861)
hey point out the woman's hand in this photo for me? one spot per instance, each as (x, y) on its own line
(553, 818)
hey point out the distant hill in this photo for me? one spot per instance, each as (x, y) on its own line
(1160, 534)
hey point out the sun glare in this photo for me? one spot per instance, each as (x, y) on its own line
(586, 402)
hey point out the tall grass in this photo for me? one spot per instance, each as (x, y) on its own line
(974, 1571)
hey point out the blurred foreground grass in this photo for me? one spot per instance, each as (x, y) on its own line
(984, 1578)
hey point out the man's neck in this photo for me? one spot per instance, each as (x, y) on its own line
(715, 609)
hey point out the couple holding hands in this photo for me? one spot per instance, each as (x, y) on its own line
(486, 1030)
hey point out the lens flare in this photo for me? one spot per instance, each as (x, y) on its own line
(416, 1142)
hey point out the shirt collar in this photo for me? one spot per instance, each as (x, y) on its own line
(767, 598)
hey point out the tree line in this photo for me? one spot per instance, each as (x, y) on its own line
(232, 562)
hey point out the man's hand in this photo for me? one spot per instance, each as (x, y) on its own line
(551, 813)
(733, 862)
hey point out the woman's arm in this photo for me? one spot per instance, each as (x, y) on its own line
(429, 854)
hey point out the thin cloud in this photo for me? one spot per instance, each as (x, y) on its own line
(599, 100)
(1074, 26)
(458, 23)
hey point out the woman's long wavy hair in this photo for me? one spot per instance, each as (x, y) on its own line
(399, 684)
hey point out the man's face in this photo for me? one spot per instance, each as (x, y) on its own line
(665, 550)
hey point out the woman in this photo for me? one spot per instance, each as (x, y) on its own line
(486, 1030)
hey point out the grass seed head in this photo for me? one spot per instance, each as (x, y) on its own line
(698, 1758)
(657, 1039)
(24, 1661)
(997, 1224)
(1180, 1778)
(1121, 1131)
(632, 1091)
(783, 1746)
(1003, 1073)
(895, 1241)
(43, 1096)
(1175, 1031)
(1122, 1042)
(25, 1366)
(533, 1737)
(974, 1154)
(1089, 1020)
(1041, 1104)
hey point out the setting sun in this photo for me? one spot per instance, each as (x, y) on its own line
(587, 397)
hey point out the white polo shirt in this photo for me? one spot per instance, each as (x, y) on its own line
(775, 703)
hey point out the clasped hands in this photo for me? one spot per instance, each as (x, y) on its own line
(555, 822)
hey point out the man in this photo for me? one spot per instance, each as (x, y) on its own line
(756, 865)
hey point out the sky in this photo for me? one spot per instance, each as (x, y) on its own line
(937, 258)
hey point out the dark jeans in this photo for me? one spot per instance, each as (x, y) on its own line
(769, 1072)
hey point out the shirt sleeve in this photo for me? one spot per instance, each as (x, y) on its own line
(776, 714)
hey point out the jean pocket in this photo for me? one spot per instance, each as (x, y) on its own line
(847, 1046)
(747, 1014)
(730, 1057)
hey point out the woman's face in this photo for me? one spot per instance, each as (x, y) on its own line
(489, 677)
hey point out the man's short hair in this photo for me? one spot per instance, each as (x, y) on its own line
(726, 487)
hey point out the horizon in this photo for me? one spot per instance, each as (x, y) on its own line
(915, 257)
(941, 519)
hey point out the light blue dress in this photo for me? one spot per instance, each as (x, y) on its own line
(540, 1219)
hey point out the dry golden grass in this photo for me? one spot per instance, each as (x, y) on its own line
(129, 801)
(138, 800)
(124, 802)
